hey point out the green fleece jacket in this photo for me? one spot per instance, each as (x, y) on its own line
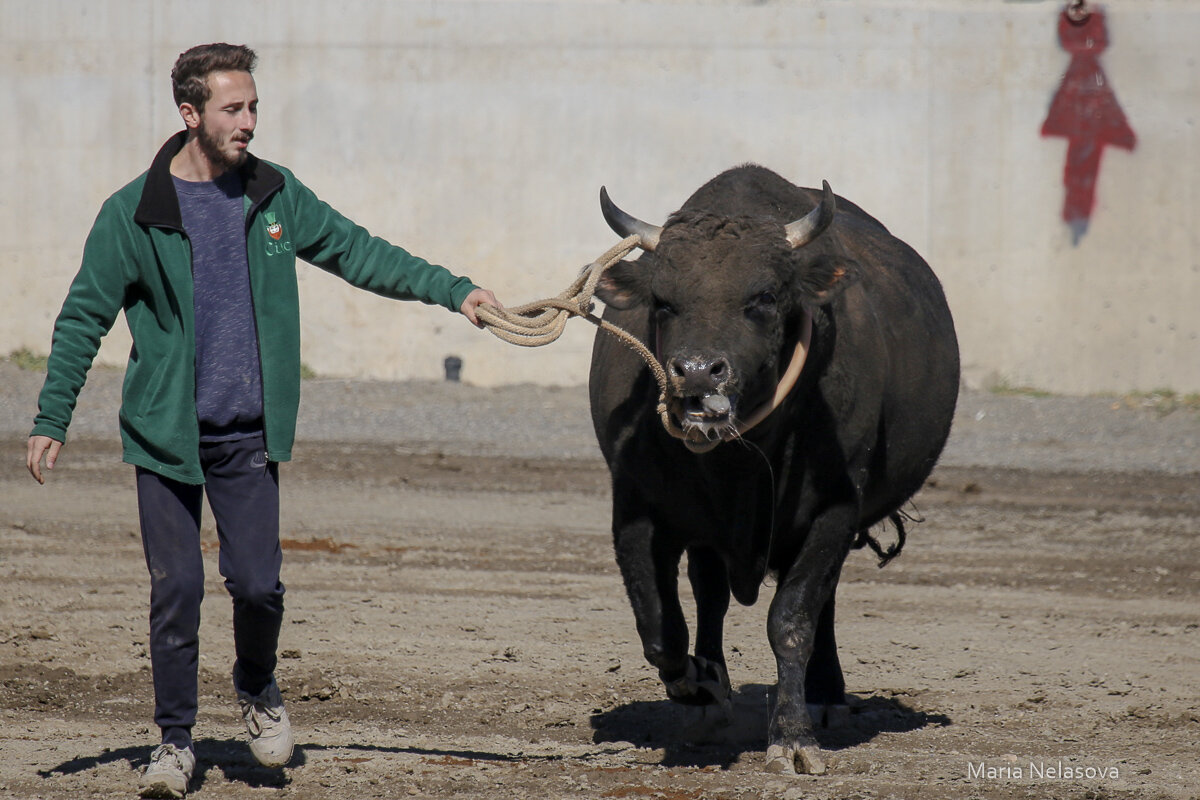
(138, 259)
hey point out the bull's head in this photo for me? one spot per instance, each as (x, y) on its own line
(729, 298)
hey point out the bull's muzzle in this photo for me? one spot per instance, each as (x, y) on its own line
(700, 385)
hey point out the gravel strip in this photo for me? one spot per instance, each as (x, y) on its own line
(990, 430)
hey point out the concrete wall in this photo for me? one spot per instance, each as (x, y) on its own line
(477, 133)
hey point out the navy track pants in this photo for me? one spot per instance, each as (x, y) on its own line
(243, 492)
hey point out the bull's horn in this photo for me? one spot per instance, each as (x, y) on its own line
(810, 226)
(625, 225)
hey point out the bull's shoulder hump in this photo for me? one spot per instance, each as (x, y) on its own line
(852, 215)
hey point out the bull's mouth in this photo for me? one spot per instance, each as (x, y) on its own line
(706, 420)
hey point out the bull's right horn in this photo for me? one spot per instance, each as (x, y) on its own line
(810, 226)
(625, 225)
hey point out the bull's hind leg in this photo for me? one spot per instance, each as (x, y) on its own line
(710, 586)
(824, 684)
(801, 599)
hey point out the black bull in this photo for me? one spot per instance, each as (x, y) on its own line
(751, 267)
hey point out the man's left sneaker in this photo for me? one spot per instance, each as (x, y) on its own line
(271, 739)
(169, 772)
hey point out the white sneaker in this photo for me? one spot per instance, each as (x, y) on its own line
(271, 739)
(169, 772)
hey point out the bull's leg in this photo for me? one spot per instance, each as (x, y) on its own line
(710, 586)
(791, 628)
(650, 569)
(824, 685)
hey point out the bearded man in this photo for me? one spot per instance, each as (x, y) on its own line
(199, 252)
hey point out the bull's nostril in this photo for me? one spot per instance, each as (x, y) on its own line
(702, 373)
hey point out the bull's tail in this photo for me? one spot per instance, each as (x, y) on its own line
(897, 518)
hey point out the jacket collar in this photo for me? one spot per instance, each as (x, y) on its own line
(159, 205)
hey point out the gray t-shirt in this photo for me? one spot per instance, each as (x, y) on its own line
(228, 373)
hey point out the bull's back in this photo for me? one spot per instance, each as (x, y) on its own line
(898, 312)
(754, 191)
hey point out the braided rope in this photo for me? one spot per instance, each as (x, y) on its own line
(543, 321)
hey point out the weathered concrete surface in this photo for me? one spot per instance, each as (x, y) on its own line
(477, 134)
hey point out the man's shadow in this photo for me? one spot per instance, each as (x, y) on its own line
(693, 738)
(231, 756)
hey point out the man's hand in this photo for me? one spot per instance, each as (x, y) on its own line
(474, 299)
(41, 446)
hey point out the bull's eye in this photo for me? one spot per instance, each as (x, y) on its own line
(662, 308)
(762, 305)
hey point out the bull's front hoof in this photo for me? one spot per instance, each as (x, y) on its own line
(805, 760)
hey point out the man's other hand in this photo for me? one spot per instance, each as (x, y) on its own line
(41, 446)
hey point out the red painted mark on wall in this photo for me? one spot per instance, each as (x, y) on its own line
(1085, 111)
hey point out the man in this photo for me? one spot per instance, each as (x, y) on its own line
(199, 252)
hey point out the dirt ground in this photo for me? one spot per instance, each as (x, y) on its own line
(456, 627)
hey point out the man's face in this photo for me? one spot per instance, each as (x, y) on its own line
(227, 123)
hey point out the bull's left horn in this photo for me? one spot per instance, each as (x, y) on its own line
(810, 226)
(625, 225)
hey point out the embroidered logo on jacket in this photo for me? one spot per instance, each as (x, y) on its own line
(276, 244)
(274, 229)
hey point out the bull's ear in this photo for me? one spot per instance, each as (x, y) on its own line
(624, 285)
(825, 278)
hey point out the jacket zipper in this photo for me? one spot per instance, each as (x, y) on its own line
(262, 381)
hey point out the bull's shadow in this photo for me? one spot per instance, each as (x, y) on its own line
(690, 739)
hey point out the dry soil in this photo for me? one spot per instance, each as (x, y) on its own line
(456, 626)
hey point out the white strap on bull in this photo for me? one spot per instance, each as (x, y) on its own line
(543, 321)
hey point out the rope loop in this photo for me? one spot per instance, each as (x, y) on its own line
(543, 321)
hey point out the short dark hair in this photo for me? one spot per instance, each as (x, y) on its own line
(189, 77)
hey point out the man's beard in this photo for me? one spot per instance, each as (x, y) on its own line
(210, 146)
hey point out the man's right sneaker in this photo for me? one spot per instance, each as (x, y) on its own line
(271, 739)
(169, 772)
